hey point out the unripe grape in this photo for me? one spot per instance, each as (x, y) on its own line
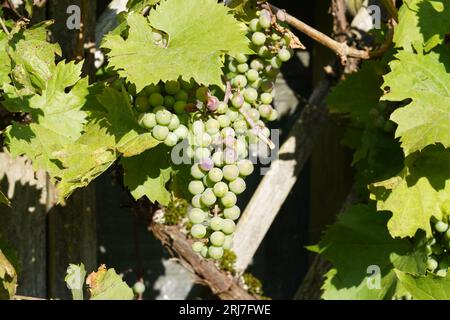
(147, 120)
(156, 99)
(441, 226)
(254, 25)
(198, 231)
(257, 64)
(181, 132)
(266, 98)
(196, 201)
(265, 19)
(239, 81)
(275, 37)
(142, 104)
(217, 158)
(252, 75)
(163, 117)
(263, 52)
(212, 126)
(228, 200)
(227, 132)
(237, 186)
(237, 101)
(222, 107)
(258, 38)
(245, 167)
(228, 226)
(181, 96)
(276, 62)
(160, 132)
(174, 123)
(232, 66)
(230, 172)
(224, 121)
(196, 172)
(172, 87)
(139, 287)
(241, 58)
(212, 103)
(180, 107)
(232, 213)
(232, 114)
(253, 114)
(198, 246)
(196, 215)
(169, 101)
(273, 115)
(215, 174)
(250, 95)
(202, 94)
(242, 68)
(217, 238)
(215, 252)
(208, 197)
(284, 55)
(204, 252)
(256, 84)
(216, 223)
(220, 189)
(229, 156)
(198, 127)
(206, 164)
(267, 86)
(171, 139)
(240, 126)
(196, 187)
(228, 242)
(152, 89)
(207, 182)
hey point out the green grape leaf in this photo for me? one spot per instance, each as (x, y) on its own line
(106, 284)
(197, 39)
(357, 245)
(131, 139)
(8, 278)
(139, 5)
(423, 24)
(4, 199)
(244, 9)
(85, 159)
(74, 279)
(429, 287)
(148, 173)
(423, 79)
(419, 192)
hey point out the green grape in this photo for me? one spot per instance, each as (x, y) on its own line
(245, 167)
(181, 132)
(252, 75)
(171, 139)
(232, 213)
(250, 95)
(266, 132)
(196, 215)
(172, 87)
(216, 223)
(431, 264)
(257, 64)
(147, 120)
(217, 158)
(196, 187)
(174, 123)
(156, 99)
(232, 66)
(159, 108)
(196, 201)
(202, 94)
(268, 86)
(228, 226)
(169, 101)
(215, 252)
(229, 199)
(212, 126)
(230, 172)
(254, 25)
(276, 62)
(229, 156)
(217, 238)
(266, 98)
(142, 104)
(160, 132)
(265, 19)
(181, 96)
(227, 132)
(256, 84)
(241, 58)
(152, 89)
(180, 107)
(258, 38)
(441, 226)
(198, 246)
(273, 115)
(228, 242)
(215, 175)
(239, 81)
(232, 114)
(198, 231)
(222, 107)
(202, 153)
(275, 37)
(203, 139)
(196, 172)
(242, 68)
(198, 127)
(220, 189)
(237, 186)
(253, 114)
(139, 287)
(224, 121)
(263, 52)
(163, 117)
(237, 101)
(284, 55)
(207, 182)
(240, 126)
(208, 197)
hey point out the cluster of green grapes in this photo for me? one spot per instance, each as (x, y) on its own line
(220, 125)
(438, 249)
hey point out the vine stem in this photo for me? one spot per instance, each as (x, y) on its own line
(391, 8)
(2, 23)
(340, 48)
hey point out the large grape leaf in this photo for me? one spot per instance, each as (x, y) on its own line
(106, 284)
(422, 24)
(148, 173)
(419, 192)
(429, 287)
(130, 137)
(199, 33)
(139, 5)
(425, 80)
(359, 241)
